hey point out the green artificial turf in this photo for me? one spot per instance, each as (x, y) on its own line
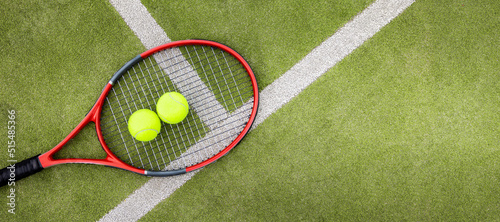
(56, 58)
(404, 129)
(271, 35)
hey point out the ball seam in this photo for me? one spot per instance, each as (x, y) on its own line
(178, 102)
(135, 136)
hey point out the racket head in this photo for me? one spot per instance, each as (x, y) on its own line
(221, 91)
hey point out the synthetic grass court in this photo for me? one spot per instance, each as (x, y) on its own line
(404, 128)
(58, 56)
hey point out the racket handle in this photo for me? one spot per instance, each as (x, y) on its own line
(20, 170)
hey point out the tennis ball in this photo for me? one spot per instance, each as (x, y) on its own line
(144, 125)
(172, 107)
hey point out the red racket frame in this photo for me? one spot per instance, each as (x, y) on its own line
(94, 115)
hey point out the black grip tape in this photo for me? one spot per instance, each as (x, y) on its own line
(17, 171)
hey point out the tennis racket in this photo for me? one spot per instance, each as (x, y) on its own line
(222, 94)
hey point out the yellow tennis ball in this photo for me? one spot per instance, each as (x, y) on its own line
(172, 107)
(144, 125)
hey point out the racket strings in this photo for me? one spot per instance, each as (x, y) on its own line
(212, 143)
(176, 63)
(110, 122)
(116, 132)
(171, 145)
(248, 91)
(160, 71)
(113, 133)
(241, 77)
(179, 128)
(218, 135)
(219, 92)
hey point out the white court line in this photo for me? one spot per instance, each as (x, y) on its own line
(330, 52)
(137, 17)
(151, 35)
